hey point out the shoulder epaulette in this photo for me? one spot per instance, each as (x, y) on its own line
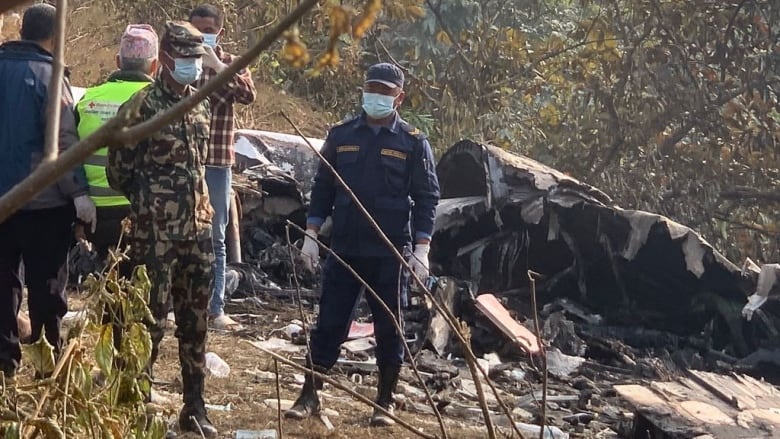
(343, 122)
(412, 130)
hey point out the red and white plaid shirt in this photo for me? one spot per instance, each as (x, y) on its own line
(240, 89)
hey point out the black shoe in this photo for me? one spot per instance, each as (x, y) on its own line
(195, 421)
(308, 403)
(388, 378)
(379, 419)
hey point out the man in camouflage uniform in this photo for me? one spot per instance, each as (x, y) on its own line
(163, 176)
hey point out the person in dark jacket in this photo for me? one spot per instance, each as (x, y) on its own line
(389, 165)
(41, 232)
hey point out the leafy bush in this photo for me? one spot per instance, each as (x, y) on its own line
(93, 390)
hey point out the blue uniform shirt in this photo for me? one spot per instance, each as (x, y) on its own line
(391, 171)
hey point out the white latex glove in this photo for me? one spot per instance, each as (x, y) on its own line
(419, 261)
(310, 253)
(85, 210)
(767, 278)
(211, 60)
(754, 302)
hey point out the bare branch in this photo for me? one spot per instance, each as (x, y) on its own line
(543, 420)
(723, 45)
(346, 389)
(54, 104)
(390, 315)
(29, 430)
(446, 29)
(48, 172)
(745, 193)
(116, 130)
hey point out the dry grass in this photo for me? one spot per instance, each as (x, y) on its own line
(246, 393)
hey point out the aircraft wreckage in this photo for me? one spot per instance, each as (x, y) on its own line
(624, 295)
(502, 215)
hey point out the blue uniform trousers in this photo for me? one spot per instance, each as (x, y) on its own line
(340, 290)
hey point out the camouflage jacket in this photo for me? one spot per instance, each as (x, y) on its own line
(163, 176)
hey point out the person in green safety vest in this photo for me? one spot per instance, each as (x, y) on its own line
(137, 63)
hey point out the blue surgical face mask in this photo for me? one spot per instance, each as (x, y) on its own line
(378, 106)
(187, 70)
(210, 40)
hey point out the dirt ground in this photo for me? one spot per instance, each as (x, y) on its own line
(246, 393)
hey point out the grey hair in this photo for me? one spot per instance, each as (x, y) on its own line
(141, 65)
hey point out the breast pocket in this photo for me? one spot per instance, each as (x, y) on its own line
(395, 171)
(347, 165)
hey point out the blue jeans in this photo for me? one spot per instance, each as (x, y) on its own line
(219, 180)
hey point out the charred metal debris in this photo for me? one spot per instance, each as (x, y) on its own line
(638, 313)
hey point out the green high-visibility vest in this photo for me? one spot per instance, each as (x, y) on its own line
(98, 105)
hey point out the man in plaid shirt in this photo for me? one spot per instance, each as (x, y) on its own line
(210, 20)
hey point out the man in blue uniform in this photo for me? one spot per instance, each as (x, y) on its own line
(389, 165)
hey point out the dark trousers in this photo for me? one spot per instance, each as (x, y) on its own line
(340, 290)
(41, 239)
(108, 229)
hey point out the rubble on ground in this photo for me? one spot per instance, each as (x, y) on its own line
(624, 295)
(624, 298)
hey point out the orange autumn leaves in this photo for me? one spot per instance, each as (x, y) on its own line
(344, 20)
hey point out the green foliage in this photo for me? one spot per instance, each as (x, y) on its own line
(40, 355)
(99, 391)
(669, 106)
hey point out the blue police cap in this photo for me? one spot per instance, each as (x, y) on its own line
(387, 74)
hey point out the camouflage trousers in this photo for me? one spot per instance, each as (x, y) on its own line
(180, 271)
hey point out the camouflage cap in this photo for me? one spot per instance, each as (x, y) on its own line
(181, 39)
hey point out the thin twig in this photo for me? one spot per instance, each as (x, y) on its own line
(54, 104)
(370, 290)
(542, 353)
(305, 328)
(449, 318)
(116, 132)
(346, 389)
(278, 400)
(67, 387)
(455, 41)
(491, 430)
(724, 44)
(66, 354)
(197, 424)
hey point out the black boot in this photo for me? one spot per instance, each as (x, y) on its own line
(193, 416)
(308, 403)
(388, 378)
